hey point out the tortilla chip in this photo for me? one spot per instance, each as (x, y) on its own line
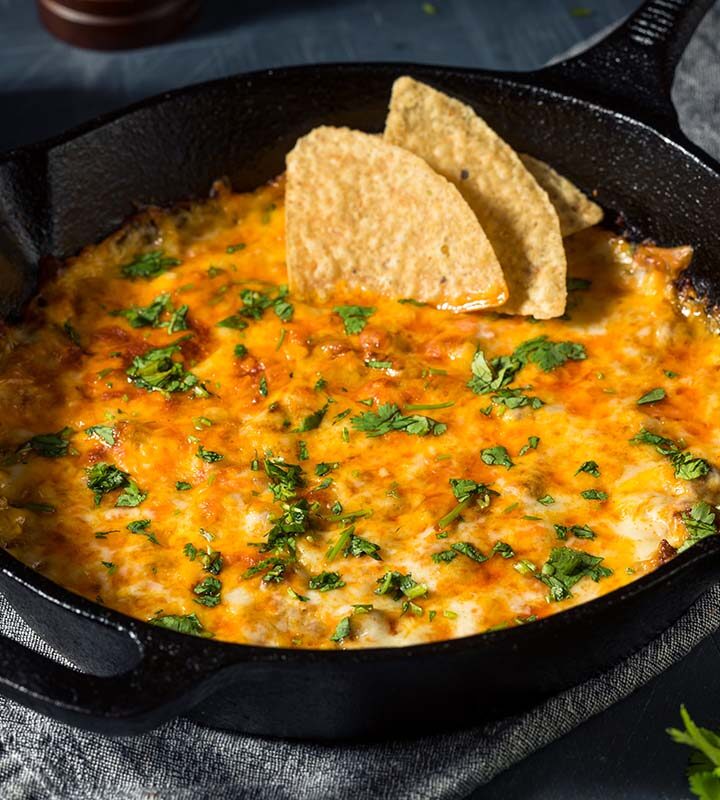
(363, 213)
(515, 213)
(575, 211)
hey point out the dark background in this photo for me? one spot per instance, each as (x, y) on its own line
(46, 87)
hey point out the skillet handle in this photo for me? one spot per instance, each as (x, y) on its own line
(134, 701)
(632, 69)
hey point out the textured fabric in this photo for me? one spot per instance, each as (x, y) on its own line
(41, 759)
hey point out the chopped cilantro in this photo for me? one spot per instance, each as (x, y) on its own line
(565, 567)
(149, 265)
(156, 371)
(494, 375)
(303, 453)
(190, 551)
(312, 421)
(240, 351)
(503, 549)
(358, 547)
(188, 624)
(687, 466)
(110, 567)
(326, 582)
(389, 418)
(397, 586)
(140, 527)
(532, 443)
(444, 556)
(178, 320)
(296, 596)
(234, 322)
(274, 569)
(653, 396)
(103, 478)
(467, 549)
(48, 445)
(354, 318)
(102, 432)
(262, 385)
(208, 592)
(594, 494)
(547, 354)
(546, 500)
(378, 364)
(326, 466)
(578, 531)
(342, 631)
(590, 467)
(465, 490)
(700, 522)
(235, 248)
(182, 486)
(145, 316)
(496, 456)
(210, 456)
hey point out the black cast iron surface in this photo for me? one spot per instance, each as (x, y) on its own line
(243, 126)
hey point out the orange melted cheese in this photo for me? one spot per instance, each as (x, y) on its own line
(627, 321)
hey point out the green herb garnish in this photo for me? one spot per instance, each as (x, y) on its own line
(354, 318)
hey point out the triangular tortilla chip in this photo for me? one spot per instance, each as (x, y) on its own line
(363, 213)
(515, 213)
(575, 211)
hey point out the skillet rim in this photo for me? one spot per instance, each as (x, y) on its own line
(144, 633)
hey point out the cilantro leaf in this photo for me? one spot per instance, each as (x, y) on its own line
(140, 527)
(497, 456)
(465, 489)
(532, 443)
(48, 445)
(102, 432)
(704, 769)
(503, 549)
(208, 591)
(149, 265)
(397, 586)
(326, 581)
(565, 567)
(103, 478)
(494, 375)
(700, 521)
(548, 355)
(686, 465)
(234, 322)
(653, 396)
(210, 456)
(578, 531)
(354, 318)
(359, 547)
(389, 418)
(188, 624)
(469, 550)
(157, 371)
(594, 494)
(145, 316)
(273, 567)
(590, 467)
(342, 631)
(312, 421)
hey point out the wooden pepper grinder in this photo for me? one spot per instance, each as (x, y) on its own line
(116, 24)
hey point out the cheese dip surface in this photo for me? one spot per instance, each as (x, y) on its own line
(185, 442)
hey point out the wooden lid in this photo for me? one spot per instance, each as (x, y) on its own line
(116, 24)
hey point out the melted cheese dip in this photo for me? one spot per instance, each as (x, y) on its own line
(186, 468)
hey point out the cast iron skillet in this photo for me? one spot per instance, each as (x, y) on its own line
(604, 119)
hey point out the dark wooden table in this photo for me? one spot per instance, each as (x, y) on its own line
(46, 87)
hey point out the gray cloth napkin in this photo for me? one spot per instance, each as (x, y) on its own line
(41, 759)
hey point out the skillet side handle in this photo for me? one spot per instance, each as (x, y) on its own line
(138, 700)
(632, 69)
